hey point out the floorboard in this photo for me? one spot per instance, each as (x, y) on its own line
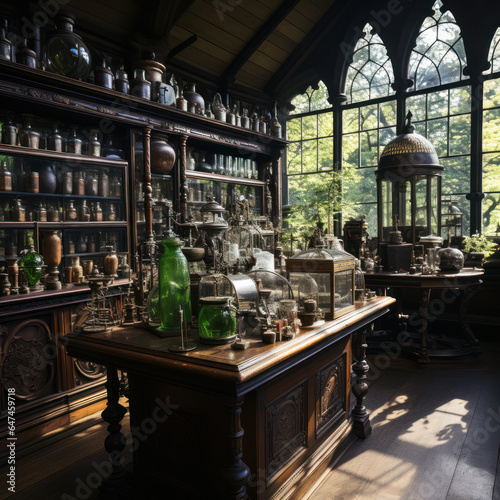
(436, 436)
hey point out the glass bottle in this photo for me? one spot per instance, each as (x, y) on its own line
(91, 184)
(77, 276)
(5, 177)
(41, 214)
(98, 212)
(55, 141)
(19, 212)
(71, 246)
(174, 285)
(5, 44)
(95, 145)
(111, 215)
(74, 144)
(84, 212)
(216, 320)
(67, 182)
(71, 213)
(78, 183)
(32, 182)
(103, 185)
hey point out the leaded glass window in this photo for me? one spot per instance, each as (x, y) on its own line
(494, 54)
(370, 74)
(439, 54)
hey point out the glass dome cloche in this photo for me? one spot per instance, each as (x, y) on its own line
(332, 271)
(65, 52)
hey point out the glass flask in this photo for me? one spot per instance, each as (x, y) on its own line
(65, 53)
(217, 320)
(32, 265)
(174, 284)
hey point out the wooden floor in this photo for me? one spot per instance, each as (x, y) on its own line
(436, 435)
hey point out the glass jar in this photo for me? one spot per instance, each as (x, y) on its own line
(65, 53)
(94, 146)
(29, 137)
(91, 184)
(32, 265)
(55, 142)
(103, 185)
(9, 133)
(67, 182)
(41, 214)
(5, 177)
(74, 144)
(78, 183)
(110, 262)
(174, 286)
(71, 246)
(77, 274)
(71, 213)
(216, 320)
(32, 182)
(116, 187)
(84, 212)
(18, 212)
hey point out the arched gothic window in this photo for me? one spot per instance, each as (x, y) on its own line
(439, 54)
(494, 53)
(370, 73)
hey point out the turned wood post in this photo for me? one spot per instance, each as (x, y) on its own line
(183, 188)
(361, 420)
(115, 441)
(235, 473)
(148, 190)
(423, 353)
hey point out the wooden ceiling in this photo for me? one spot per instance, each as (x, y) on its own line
(228, 44)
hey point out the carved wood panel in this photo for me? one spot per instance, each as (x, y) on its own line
(27, 360)
(286, 431)
(330, 394)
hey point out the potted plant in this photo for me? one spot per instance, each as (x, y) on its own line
(476, 248)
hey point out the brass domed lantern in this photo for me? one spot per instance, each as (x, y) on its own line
(409, 187)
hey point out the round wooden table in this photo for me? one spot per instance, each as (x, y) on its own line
(449, 288)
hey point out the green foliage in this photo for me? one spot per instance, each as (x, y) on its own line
(479, 243)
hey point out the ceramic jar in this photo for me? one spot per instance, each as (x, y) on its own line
(51, 249)
(103, 75)
(192, 97)
(162, 156)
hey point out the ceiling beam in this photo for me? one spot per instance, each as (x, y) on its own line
(260, 36)
(308, 45)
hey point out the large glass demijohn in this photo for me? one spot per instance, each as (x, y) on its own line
(65, 53)
(174, 284)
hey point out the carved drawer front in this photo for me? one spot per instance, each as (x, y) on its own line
(330, 394)
(286, 432)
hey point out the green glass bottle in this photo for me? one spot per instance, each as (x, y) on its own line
(174, 284)
(32, 264)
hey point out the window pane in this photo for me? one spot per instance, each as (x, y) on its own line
(293, 132)
(362, 187)
(325, 124)
(309, 156)
(456, 175)
(309, 127)
(369, 148)
(491, 169)
(438, 135)
(491, 214)
(386, 135)
(294, 158)
(369, 117)
(437, 104)
(491, 93)
(387, 114)
(350, 120)
(350, 150)
(460, 100)
(460, 135)
(325, 154)
(416, 105)
(491, 130)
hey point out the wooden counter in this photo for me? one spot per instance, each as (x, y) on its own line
(292, 398)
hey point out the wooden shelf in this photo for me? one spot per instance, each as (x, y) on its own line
(191, 174)
(61, 225)
(24, 194)
(46, 154)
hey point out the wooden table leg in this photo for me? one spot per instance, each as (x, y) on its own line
(235, 473)
(423, 353)
(115, 441)
(361, 420)
(469, 292)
